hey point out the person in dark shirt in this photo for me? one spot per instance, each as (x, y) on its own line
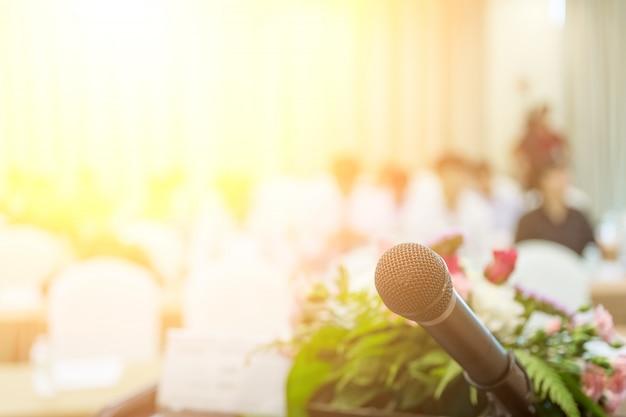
(554, 220)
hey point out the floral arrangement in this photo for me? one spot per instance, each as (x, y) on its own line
(350, 352)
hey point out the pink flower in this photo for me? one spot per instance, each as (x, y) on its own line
(603, 321)
(384, 245)
(593, 380)
(462, 285)
(502, 266)
(617, 381)
(553, 326)
(453, 264)
(613, 402)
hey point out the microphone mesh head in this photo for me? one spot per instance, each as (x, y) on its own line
(413, 282)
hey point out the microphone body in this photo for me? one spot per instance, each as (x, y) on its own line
(486, 365)
(468, 342)
(414, 282)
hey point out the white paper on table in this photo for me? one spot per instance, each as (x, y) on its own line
(223, 374)
(86, 373)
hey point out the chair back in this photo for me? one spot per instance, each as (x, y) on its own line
(104, 306)
(162, 243)
(553, 271)
(29, 256)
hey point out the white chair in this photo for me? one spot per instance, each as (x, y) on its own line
(162, 243)
(29, 256)
(104, 307)
(553, 271)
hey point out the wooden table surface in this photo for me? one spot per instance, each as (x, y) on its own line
(18, 398)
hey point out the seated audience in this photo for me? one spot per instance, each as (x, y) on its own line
(554, 219)
(443, 203)
(393, 181)
(505, 197)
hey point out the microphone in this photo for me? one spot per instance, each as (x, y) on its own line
(413, 282)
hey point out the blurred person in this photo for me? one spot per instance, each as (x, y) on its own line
(539, 144)
(220, 231)
(554, 220)
(395, 179)
(343, 209)
(318, 223)
(346, 171)
(443, 202)
(393, 188)
(506, 199)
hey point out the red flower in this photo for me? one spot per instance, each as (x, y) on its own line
(502, 266)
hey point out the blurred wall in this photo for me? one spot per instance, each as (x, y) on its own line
(524, 63)
(135, 87)
(596, 91)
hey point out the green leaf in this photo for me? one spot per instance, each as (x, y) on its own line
(374, 343)
(473, 395)
(432, 359)
(354, 396)
(601, 362)
(343, 282)
(452, 371)
(394, 368)
(309, 370)
(588, 404)
(363, 371)
(547, 383)
(412, 394)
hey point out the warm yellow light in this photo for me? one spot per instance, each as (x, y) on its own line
(129, 89)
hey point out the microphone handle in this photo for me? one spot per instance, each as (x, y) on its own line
(486, 365)
(469, 342)
(513, 394)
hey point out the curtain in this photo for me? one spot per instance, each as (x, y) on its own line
(126, 89)
(596, 88)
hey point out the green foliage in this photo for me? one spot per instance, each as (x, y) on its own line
(366, 356)
(453, 370)
(548, 383)
(354, 353)
(533, 305)
(311, 367)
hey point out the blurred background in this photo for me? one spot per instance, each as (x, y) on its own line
(226, 147)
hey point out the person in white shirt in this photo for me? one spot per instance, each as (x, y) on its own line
(442, 202)
(505, 198)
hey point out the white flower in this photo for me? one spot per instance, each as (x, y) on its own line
(496, 307)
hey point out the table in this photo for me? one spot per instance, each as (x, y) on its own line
(18, 398)
(18, 330)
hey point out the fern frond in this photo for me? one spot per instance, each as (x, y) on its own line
(547, 383)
